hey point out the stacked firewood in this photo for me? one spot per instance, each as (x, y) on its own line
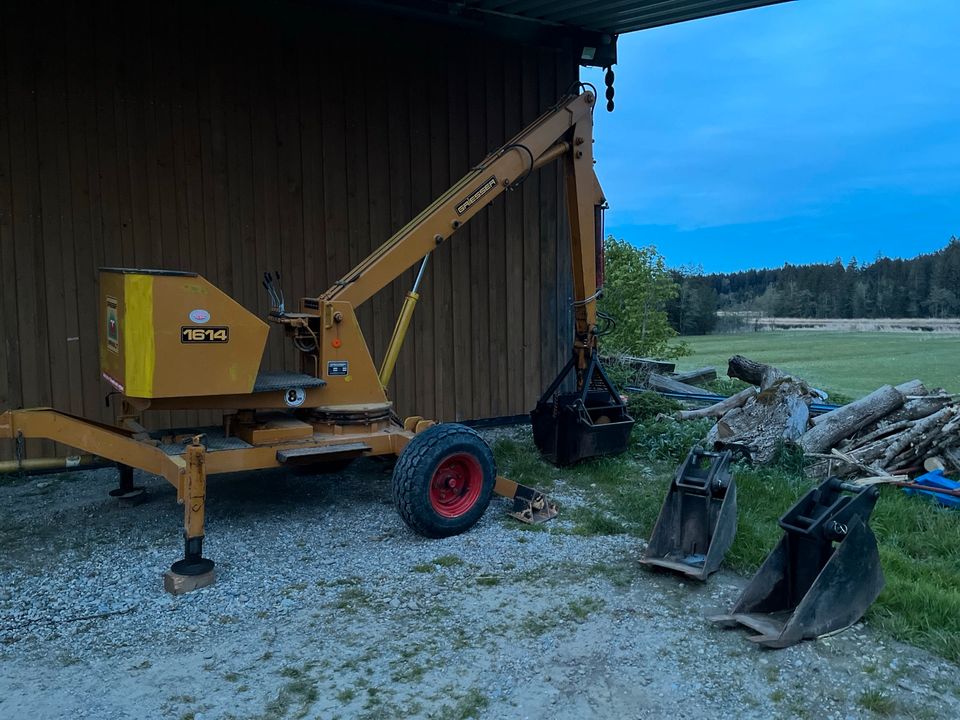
(918, 429)
(894, 430)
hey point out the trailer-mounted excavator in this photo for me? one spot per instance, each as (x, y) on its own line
(170, 340)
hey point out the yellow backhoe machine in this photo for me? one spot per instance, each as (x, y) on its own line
(172, 341)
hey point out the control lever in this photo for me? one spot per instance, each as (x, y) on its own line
(271, 283)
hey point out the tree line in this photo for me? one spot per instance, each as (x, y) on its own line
(650, 304)
(926, 286)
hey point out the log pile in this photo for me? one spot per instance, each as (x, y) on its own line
(923, 431)
(894, 430)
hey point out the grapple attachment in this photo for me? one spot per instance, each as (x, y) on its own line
(572, 426)
(822, 576)
(698, 520)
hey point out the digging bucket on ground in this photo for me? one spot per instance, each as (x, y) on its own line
(822, 576)
(698, 520)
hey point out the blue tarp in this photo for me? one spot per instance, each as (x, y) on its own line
(936, 479)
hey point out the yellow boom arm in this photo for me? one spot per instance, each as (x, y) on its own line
(563, 132)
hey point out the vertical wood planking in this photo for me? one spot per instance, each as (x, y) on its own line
(511, 322)
(229, 144)
(10, 373)
(460, 250)
(478, 236)
(84, 167)
(496, 265)
(533, 330)
(443, 347)
(421, 338)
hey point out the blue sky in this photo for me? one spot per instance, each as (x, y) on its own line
(794, 133)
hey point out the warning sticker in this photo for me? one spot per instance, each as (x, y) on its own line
(113, 326)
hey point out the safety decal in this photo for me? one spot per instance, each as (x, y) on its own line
(113, 326)
(294, 397)
(475, 196)
(338, 368)
(190, 335)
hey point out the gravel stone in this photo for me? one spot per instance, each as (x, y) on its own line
(318, 612)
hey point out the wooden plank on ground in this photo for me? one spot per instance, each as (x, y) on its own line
(662, 382)
(697, 377)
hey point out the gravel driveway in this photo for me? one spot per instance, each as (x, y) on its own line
(327, 606)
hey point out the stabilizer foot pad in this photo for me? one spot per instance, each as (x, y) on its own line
(129, 498)
(177, 584)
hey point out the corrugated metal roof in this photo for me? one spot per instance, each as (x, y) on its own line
(610, 16)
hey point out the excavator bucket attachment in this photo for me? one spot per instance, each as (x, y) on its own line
(572, 426)
(822, 576)
(698, 520)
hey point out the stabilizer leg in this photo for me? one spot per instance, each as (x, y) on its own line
(126, 493)
(529, 505)
(193, 571)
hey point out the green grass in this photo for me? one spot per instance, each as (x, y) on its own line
(448, 561)
(853, 364)
(877, 702)
(919, 542)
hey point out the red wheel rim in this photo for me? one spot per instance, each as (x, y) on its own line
(455, 485)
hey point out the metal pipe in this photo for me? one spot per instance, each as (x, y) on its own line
(551, 153)
(63, 464)
(423, 267)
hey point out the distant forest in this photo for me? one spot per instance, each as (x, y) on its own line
(927, 286)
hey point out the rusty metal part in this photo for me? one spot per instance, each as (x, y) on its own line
(529, 505)
(698, 520)
(822, 576)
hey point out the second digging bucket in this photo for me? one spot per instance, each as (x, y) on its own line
(822, 576)
(698, 520)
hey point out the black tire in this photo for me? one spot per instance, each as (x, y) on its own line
(444, 454)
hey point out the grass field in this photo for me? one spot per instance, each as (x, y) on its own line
(853, 364)
(919, 541)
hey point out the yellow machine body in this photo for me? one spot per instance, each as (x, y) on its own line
(171, 334)
(170, 340)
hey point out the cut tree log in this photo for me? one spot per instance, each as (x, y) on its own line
(914, 434)
(920, 407)
(720, 408)
(952, 454)
(753, 372)
(661, 382)
(911, 388)
(777, 414)
(696, 377)
(844, 421)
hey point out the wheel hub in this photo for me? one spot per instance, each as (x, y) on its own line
(456, 484)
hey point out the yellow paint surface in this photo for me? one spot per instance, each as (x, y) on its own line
(140, 353)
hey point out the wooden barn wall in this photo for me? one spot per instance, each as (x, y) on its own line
(229, 142)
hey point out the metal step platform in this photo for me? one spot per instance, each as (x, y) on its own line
(325, 452)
